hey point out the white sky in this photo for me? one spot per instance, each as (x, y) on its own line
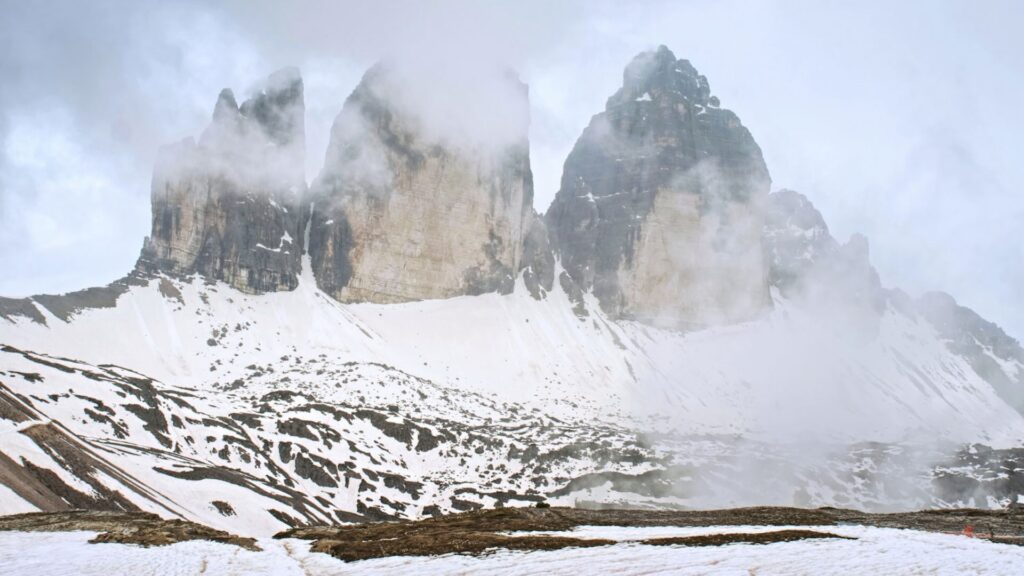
(900, 120)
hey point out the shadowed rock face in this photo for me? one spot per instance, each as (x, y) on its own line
(660, 207)
(538, 262)
(228, 207)
(400, 215)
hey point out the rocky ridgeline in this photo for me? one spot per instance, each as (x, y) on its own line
(663, 212)
(806, 262)
(659, 214)
(989, 350)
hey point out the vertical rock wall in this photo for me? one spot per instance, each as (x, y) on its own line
(660, 208)
(400, 214)
(229, 207)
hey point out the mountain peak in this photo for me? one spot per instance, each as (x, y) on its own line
(278, 107)
(273, 114)
(649, 191)
(226, 106)
(284, 80)
(658, 74)
(168, 390)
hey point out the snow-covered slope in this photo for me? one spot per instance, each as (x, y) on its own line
(791, 372)
(863, 549)
(252, 412)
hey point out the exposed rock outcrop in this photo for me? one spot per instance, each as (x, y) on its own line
(538, 263)
(402, 213)
(660, 208)
(805, 261)
(66, 306)
(228, 207)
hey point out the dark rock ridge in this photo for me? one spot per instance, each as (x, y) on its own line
(660, 208)
(228, 208)
(805, 261)
(538, 263)
(995, 474)
(400, 214)
(65, 306)
(985, 346)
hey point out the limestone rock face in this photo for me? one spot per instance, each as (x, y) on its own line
(228, 208)
(660, 208)
(402, 213)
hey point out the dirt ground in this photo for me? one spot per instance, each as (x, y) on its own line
(475, 532)
(482, 531)
(140, 528)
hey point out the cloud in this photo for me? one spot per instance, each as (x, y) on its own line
(91, 93)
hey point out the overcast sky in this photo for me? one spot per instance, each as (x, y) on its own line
(900, 120)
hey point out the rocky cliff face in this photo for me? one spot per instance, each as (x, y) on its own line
(228, 207)
(399, 214)
(660, 207)
(538, 262)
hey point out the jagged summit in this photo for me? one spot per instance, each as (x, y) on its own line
(660, 207)
(658, 74)
(263, 140)
(796, 238)
(226, 108)
(278, 107)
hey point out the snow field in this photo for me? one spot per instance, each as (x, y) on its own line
(876, 551)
